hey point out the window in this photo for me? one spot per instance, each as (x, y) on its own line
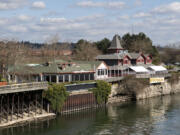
(61, 78)
(99, 72)
(126, 61)
(105, 71)
(102, 72)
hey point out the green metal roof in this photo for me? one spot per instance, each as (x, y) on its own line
(55, 67)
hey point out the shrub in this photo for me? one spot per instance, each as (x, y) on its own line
(102, 91)
(56, 95)
(2, 79)
(174, 78)
(132, 86)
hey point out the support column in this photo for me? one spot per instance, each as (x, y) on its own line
(63, 78)
(9, 78)
(89, 76)
(8, 107)
(22, 105)
(41, 77)
(84, 77)
(29, 105)
(41, 102)
(15, 79)
(1, 108)
(18, 107)
(70, 78)
(49, 78)
(12, 109)
(57, 78)
(36, 105)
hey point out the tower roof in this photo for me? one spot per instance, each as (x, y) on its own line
(116, 44)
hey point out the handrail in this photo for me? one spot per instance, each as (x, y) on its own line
(24, 85)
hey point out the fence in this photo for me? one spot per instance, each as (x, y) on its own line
(82, 86)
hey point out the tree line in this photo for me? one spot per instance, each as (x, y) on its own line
(14, 52)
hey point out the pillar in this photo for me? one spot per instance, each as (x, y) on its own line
(36, 104)
(84, 77)
(15, 79)
(41, 77)
(41, 102)
(22, 105)
(89, 76)
(48, 107)
(49, 78)
(63, 78)
(70, 77)
(12, 109)
(9, 78)
(18, 107)
(57, 78)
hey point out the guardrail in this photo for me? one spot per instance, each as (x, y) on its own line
(23, 87)
(152, 75)
(81, 86)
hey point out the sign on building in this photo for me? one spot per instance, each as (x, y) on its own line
(156, 80)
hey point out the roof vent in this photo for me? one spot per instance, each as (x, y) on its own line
(61, 66)
(46, 64)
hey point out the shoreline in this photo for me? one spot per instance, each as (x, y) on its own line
(149, 92)
(27, 119)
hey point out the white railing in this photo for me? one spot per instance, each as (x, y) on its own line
(152, 75)
(140, 75)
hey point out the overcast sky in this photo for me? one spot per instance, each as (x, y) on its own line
(93, 20)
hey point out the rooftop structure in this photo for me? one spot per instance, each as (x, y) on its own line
(115, 45)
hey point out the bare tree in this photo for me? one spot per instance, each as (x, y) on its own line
(86, 51)
(12, 53)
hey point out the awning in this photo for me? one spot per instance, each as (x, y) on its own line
(139, 69)
(158, 68)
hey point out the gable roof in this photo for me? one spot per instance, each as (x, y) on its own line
(115, 44)
(135, 55)
(115, 56)
(55, 67)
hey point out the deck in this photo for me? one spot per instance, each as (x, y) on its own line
(22, 87)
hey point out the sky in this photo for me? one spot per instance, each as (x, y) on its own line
(93, 20)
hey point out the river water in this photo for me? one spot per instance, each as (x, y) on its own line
(156, 116)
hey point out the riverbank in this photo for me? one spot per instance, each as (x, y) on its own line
(165, 88)
(27, 119)
(153, 116)
(152, 90)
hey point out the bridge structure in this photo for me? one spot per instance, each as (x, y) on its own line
(18, 101)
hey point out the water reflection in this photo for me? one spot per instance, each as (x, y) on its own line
(153, 116)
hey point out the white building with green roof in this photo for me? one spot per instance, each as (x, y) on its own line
(58, 71)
